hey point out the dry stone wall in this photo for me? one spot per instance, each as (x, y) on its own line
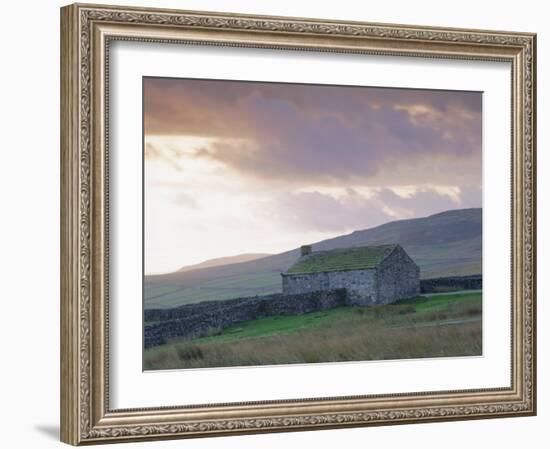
(204, 318)
(201, 319)
(451, 283)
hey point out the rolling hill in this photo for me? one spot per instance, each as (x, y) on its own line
(444, 244)
(224, 261)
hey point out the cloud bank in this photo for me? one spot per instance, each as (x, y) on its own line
(325, 134)
(303, 159)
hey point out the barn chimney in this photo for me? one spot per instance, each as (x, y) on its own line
(305, 250)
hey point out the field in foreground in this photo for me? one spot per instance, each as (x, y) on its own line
(442, 325)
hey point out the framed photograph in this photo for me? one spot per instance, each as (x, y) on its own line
(279, 224)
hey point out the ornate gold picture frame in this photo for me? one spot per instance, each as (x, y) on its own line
(87, 32)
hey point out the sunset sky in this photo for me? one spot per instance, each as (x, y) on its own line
(242, 167)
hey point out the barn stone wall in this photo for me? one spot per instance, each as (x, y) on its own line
(304, 283)
(398, 277)
(360, 284)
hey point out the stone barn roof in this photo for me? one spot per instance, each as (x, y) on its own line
(344, 259)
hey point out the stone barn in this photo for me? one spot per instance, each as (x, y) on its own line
(371, 274)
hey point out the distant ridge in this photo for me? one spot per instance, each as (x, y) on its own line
(224, 261)
(444, 244)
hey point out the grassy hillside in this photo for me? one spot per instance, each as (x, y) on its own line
(224, 261)
(444, 244)
(428, 326)
(161, 294)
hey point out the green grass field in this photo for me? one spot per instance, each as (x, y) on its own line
(172, 295)
(438, 325)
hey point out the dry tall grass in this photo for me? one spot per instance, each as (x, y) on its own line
(344, 340)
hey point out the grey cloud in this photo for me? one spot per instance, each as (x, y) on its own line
(353, 211)
(326, 134)
(320, 212)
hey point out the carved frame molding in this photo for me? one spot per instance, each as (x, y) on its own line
(87, 31)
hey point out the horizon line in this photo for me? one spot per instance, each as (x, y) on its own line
(297, 248)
